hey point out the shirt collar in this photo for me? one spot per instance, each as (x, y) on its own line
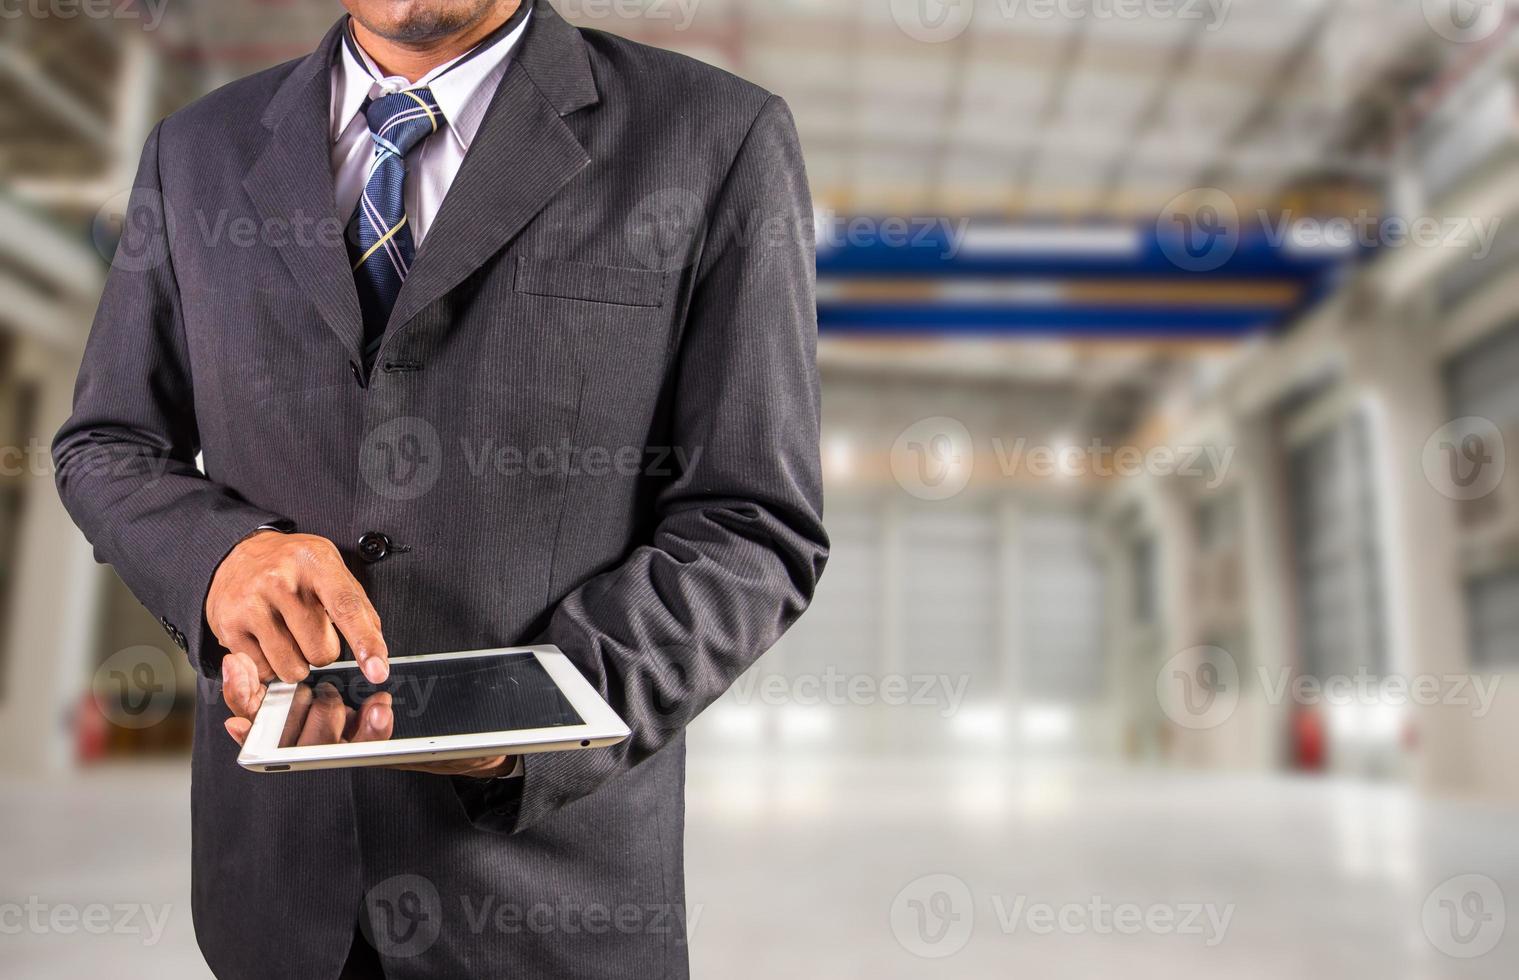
(462, 87)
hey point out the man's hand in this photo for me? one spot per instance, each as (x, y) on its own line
(282, 599)
(278, 603)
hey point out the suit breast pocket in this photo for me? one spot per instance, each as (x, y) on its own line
(569, 326)
(588, 283)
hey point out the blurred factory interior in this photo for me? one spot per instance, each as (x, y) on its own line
(1168, 360)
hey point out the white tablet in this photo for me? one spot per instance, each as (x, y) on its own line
(432, 707)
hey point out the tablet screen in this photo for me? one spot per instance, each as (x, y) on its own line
(430, 699)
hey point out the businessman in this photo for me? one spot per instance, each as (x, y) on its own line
(522, 351)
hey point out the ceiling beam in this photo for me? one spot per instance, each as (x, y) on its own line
(48, 253)
(1272, 96)
(25, 72)
(1150, 116)
(24, 312)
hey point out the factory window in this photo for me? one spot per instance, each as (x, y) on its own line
(1061, 585)
(950, 593)
(1338, 564)
(1492, 604)
(1144, 581)
(841, 630)
(1480, 380)
(1217, 520)
(17, 403)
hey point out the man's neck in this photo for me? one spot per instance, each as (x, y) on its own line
(413, 60)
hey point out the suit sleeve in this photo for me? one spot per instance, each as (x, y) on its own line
(739, 544)
(125, 459)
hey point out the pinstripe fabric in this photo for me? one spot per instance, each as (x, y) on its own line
(379, 241)
(592, 421)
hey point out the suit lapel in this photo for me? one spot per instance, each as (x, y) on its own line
(523, 154)
(291, 182)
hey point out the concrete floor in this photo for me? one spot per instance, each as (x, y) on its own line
(875, 869)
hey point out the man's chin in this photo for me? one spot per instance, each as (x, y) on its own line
(422, 30)
(420, 21)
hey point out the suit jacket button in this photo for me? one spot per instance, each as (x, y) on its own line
(374, 546)
(174, 634)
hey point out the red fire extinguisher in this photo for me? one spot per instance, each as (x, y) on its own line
(1308, 740)
(92, 730)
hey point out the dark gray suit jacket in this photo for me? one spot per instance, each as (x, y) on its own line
(594, 422)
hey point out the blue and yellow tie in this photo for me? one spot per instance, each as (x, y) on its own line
(379, 240)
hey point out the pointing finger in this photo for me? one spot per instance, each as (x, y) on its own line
(352, 613)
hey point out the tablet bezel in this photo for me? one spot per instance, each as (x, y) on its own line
(601, 725)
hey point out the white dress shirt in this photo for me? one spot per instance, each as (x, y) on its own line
(463, 93)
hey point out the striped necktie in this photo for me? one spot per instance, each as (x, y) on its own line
(379, 241)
